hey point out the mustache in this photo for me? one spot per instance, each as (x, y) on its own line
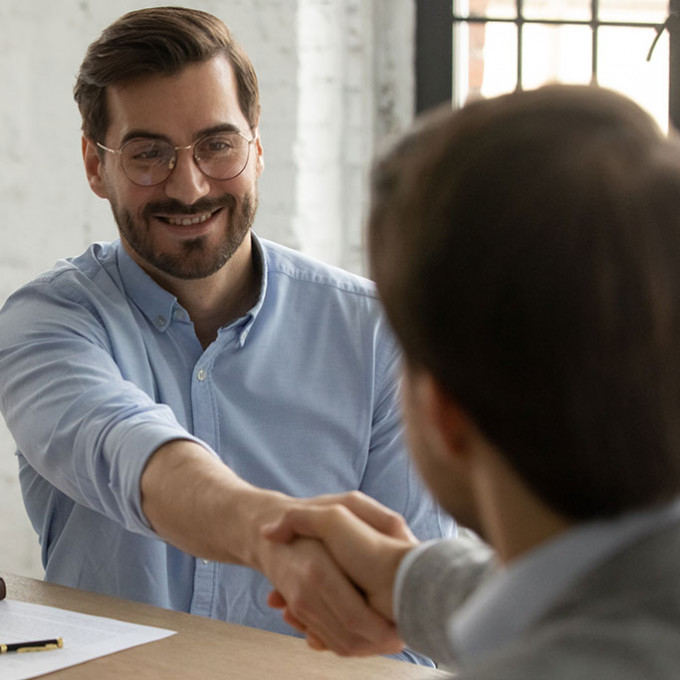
(203, 205)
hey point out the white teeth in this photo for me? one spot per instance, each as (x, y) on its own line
(187, 221)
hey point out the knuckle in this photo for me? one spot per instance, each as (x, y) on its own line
(299, 606)
(310, 570)
(395, 522)
(355, 495)
(339, 511)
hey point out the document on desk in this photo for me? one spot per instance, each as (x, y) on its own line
(85, 637)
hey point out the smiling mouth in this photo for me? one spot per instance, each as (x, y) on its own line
(187, 220)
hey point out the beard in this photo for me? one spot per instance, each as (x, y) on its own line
(197, 258)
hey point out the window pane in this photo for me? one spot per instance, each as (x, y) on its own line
(490, 61)
(476, 38)
(498, 9)
(558, 9)
(486, 54)
(559, 54)
(654, 11)
(623, 66)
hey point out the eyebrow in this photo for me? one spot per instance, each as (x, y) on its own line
(147, 134)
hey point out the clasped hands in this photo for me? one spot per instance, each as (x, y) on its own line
(343, 598)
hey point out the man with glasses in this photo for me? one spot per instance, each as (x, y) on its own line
(173, 392)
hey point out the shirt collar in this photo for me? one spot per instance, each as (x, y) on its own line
(156, 303)
(518, 595)
(159, 306)
(260, 262)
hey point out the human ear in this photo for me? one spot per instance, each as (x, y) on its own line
(447, 418)
(259, 158)
(94, 168)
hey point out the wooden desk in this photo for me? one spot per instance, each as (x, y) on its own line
(203, 648)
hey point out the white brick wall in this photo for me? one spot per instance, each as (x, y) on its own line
(335, 78)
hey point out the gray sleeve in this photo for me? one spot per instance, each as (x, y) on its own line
(433, 585)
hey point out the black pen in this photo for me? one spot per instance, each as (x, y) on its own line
(35, 646)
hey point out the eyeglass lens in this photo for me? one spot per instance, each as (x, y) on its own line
(150, 161)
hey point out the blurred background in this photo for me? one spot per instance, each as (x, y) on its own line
(338, 79)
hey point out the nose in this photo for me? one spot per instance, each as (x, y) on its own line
(186, 182)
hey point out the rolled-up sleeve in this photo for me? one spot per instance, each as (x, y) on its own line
(75, 418)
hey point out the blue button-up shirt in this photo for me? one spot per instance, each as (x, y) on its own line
(99, 366)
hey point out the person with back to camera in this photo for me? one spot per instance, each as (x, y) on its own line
(526, 250)
(173, 391)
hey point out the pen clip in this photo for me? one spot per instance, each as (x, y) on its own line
(44, 648)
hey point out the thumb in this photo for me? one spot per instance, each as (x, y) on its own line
(280, 531)
(308, 520)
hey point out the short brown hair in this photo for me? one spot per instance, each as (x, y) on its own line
(157, 40)
(527, 251)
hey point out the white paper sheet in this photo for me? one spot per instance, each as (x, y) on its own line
(85, 637)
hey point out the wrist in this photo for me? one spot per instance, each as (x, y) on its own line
(251, 509)
(195, 502)
(393, 557)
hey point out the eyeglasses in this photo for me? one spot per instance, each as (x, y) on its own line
(146, 162)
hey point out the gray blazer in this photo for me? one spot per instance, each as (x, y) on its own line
(620, 622)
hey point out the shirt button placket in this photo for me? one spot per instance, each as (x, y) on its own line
(205, 570)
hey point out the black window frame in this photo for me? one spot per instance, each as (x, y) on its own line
(435, 20)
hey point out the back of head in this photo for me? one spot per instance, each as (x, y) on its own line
(157, 40)
(527, 250)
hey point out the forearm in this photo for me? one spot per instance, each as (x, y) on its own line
(195, 502)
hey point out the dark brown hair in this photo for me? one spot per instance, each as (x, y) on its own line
(527, 250)
(157, 40)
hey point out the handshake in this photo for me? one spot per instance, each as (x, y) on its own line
(367, 542)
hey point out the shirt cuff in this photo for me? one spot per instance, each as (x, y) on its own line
(432, 582)
(402, 572)
(145, 440)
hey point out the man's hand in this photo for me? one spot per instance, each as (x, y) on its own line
(320, 601)
(366, 540)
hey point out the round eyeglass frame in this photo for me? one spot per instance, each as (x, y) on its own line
(173, 160)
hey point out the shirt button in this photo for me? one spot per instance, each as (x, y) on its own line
(159, 321)
(201, 375)
(205, 561)
(178, 315)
